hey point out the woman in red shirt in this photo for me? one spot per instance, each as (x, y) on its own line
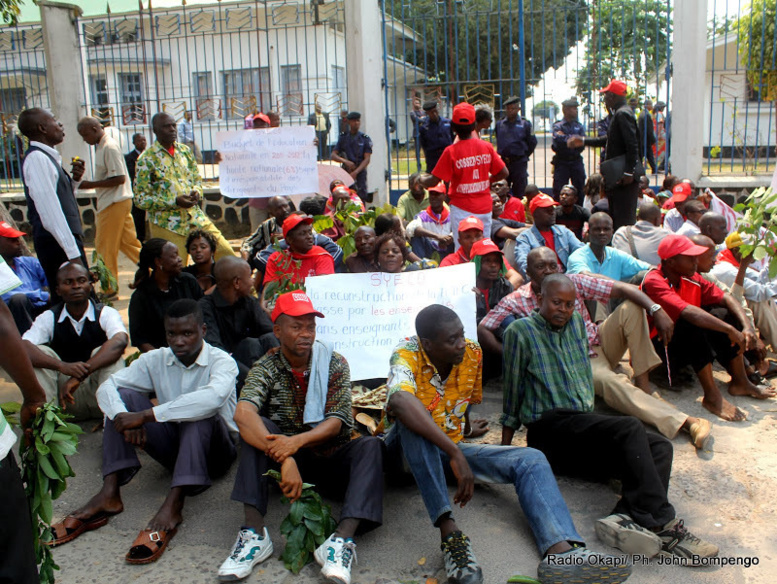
(470, 166)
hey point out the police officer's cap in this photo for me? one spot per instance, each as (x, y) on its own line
(353, 116)
(571, 102)
(511, 100)
(429, 105)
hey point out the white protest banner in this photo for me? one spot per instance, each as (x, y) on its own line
(267, 162)
(366, 315)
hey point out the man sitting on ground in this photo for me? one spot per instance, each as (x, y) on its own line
(470, 231)
(234, 319)
(503, 229)
(512, 207)
(545, 233)
(76, 345)
(694, 211)
(699, 337)
(295, 414)
(641, 239)
(682, 192)
(430, 231)
(549, 389)
(363, 259)
(188, 432)
(569, 213)
(759, 290)
(714, 226)
(434, 379)
(625, 328)
(597, 259)
(413, 201)
(30, 298)
(268, 231)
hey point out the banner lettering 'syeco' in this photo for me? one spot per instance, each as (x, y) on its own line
(368, 314)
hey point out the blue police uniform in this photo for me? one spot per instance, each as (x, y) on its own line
(435, 137)
(354, 147)
(567, 162)
(515, 142)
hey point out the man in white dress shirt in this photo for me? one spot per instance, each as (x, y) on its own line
(51, 203)
(76, 345)
(189, 432)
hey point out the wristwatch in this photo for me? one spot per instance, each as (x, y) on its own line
(653, 309)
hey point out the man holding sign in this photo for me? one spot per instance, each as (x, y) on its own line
(434, 378)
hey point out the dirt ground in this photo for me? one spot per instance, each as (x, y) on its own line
(725, 494)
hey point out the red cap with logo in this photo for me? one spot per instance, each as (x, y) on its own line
(7, 231)
(616, 86)
(263, 117)
(484, 247)
(680, 192)
(438, 188)
(674, 245)
(470, 223)
(541, 200)
(295, 303)
(293, 220)
(463, 114)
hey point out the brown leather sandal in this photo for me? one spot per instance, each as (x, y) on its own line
(70, 528)
(149, 545)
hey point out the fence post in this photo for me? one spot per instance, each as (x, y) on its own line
(364, 58)
(689, 57)
(63, 73)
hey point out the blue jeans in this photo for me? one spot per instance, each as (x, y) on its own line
(526, 468)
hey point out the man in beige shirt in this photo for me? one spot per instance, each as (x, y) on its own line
(115, 229)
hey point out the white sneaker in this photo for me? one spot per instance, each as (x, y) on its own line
(334, 556)
(249, 550)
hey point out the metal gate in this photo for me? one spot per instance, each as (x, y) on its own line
(543, 51)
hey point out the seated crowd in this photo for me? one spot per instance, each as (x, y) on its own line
(230, 368)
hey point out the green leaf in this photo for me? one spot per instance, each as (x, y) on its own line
(45, 509)
(273, 474)
(759, 253)
(41, 448)
(57, 488)
(310, 542)
(45, 465)
(315, 527)
(313, 511)
(296, 512)
(65, 448)
(10, 408)
(60, 462)
(286, 526)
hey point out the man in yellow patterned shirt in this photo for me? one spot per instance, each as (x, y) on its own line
(168, 185)
(434, 377)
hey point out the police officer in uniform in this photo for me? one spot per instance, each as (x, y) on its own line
(353, 151)
(435, 135)
(515, 142)
(567, 162)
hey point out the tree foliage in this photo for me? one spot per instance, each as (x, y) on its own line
(10, 10)
(476, 41)
(546, 109)
(755, 33)
(628, 40)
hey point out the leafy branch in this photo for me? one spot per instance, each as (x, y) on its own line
(758, 226)
(45, 470)
(306, 527)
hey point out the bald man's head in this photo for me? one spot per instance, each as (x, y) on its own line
(91, 130)
(233, 278)
(650, 213)
(714, 226)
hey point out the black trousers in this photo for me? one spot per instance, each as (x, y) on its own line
(519, 175)
(697, 347)
(23, 311)
(623, 203)
(566, 171)
(17, 557)
(139, 218)
(355, 469)
(598, 447)
(51, 256)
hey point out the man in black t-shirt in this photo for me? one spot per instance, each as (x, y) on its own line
(569, 214)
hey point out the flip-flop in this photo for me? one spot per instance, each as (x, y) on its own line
(149, 546)
(518, 579)
(70, 527)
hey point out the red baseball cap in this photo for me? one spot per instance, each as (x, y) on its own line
(294, 303)
(674, 245)
(617, 87)
(484, 247)
(464, 114)
(680, 192)
(438, 188)
(470, 223)
(263, 117)
(541, 200)
(7, 231)
(293, 220)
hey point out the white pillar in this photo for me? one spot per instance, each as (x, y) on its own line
(364, 58)
(689, 52)
(64, 73)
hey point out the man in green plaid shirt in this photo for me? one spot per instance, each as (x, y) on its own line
(548, 387)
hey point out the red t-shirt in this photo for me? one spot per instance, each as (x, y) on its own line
(467, 166)
(316, 262)
(694, 291)
(514, 210)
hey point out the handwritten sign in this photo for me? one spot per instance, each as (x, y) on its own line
(368, 314)
(267, 162)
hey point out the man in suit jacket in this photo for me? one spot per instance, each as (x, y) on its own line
(320, 121)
